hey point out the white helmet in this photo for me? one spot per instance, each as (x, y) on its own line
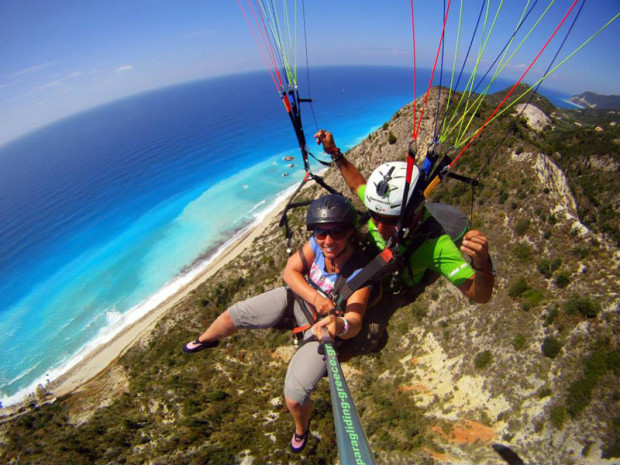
(384, 190)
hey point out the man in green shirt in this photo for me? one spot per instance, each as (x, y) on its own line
(438, 253)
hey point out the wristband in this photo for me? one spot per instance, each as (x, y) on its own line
(345, 330)
(337, 156)
(493, 271)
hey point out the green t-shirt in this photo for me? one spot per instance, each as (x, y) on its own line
(439, 254)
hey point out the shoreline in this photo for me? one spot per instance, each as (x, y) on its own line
(104, 355)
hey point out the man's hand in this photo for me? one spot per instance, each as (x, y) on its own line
(476, 246)
(326, 139)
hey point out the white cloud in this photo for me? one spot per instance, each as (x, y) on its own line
(122, 69)
(32, 69)
(60, 83)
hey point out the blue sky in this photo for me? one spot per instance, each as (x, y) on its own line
(58, 57)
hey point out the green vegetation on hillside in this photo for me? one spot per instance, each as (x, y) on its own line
(450, 367)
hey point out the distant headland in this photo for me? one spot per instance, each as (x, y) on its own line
(596, 101)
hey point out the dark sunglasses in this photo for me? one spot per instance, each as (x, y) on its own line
(386, 220)
(336, 234)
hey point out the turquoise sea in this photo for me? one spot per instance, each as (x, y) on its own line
(106, 213)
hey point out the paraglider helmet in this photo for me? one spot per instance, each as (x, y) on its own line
(385, 187)
(331, 208)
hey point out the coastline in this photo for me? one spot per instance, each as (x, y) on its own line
(99, 359)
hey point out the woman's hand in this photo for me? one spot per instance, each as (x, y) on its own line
(330, 322)
(322, 304)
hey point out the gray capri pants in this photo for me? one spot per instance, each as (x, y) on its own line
(265, 311)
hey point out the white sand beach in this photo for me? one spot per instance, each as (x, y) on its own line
(100, 358)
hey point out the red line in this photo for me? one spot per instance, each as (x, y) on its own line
(414, 71)
(515, 86)
(260, 47)
(268, 45)
(415, 131)
(287, 103)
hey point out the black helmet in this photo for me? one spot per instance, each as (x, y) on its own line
(331, 208)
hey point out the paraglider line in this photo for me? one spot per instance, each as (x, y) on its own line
(513, 87)
(443, 30)
(518, 117)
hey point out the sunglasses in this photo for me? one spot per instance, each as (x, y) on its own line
(386, 220)
(336, 234)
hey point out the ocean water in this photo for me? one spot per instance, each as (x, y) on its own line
(108, 212)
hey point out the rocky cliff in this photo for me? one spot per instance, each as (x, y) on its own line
(536, 370)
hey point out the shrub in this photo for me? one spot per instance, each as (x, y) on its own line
(544, 392)
(558, 416)
(582, 305)
(552, 219)
(544, 267)
(551, 347)
(581, 252)
(483, 359)
(594, 367)
(562, 280)
(518, 287)
(555, 264)
(522, 252)
(532, 298)
(522, 226)
(551, 316)
(519, 341)
(385, 126)
(392, 138)
(613, 361)
(503, 196)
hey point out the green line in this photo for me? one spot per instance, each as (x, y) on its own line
(469, 85)
(467, 103)
(460, 139)
(551, 71)
(478, 102)
(456, 52)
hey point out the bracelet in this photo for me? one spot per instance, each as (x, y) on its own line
(345, 330)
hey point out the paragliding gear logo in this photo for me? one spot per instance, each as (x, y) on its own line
(383, 186)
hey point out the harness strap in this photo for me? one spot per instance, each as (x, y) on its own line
(383, 265)
(387, 262)
(311, 315)
(304, 261)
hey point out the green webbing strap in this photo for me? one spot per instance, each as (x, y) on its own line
(353, 445)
